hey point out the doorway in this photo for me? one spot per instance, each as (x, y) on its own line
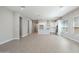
(35, 26)
(56, 30)
(20, 27)
(28, 28)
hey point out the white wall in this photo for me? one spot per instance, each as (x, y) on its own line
(24, 27)
(30, 26)
(16, 25)
(9, 25)
(6, 25)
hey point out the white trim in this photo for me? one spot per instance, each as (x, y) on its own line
(72, 39)
(11, 40)
(16, 38)
(68, 37)
(6, 41)
(25, 35)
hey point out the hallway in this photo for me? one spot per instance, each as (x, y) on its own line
(40, 43)
(57, 28)
(39, 29)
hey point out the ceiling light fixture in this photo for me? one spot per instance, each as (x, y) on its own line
(22, 7)
(61, 6)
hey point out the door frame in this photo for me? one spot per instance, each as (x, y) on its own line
(20, 27)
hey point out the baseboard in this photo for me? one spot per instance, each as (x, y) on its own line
(6, 41)
(16, 38)
(25, 35)
(11, 40)
(73, 39)
(70, 38)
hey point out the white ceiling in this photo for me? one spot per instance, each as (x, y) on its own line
(42, 12)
